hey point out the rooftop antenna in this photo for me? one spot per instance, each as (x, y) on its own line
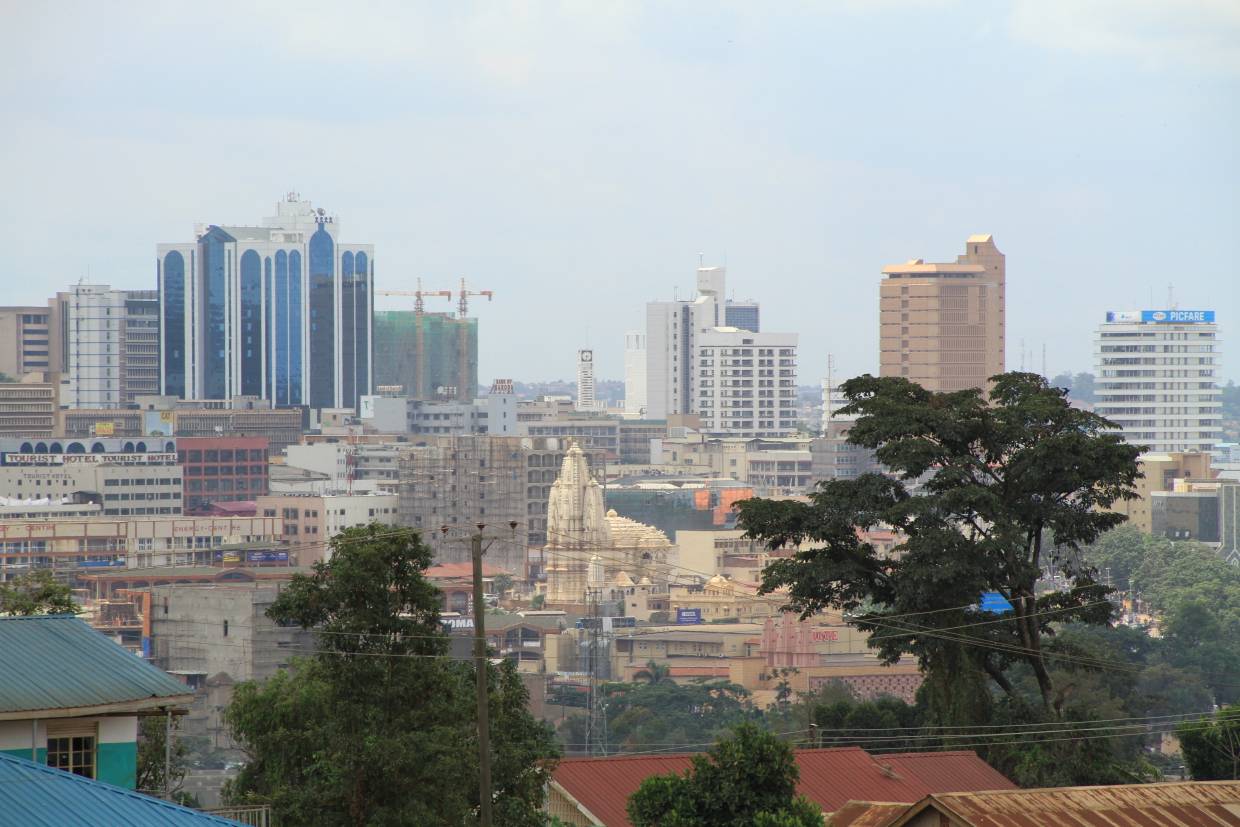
(1044, 376)
(1171, 296)
(1022, 355)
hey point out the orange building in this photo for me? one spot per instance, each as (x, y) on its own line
(942, 325)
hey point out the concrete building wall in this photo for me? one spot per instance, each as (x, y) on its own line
(943, 325)
(635, 374)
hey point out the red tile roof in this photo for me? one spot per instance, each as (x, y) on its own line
(449, 571)
(829, 777)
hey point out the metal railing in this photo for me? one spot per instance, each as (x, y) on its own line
(255, 815)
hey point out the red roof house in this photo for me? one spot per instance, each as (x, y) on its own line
(593, 792)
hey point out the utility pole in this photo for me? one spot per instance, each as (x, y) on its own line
(480, 662)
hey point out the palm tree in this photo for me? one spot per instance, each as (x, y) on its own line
(654, 673)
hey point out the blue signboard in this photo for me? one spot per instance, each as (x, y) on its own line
(1178, 316)
(995, 603)
(267, 556)
(688, 615)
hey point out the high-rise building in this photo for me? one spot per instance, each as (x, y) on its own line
(281, 311)
(426, 355)
(635, 374)
(739, 382)
(107, 345)
(942, 325)
(1157, 378)
(26, 343)
(586, 400)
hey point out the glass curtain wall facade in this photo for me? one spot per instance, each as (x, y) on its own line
(280, 311)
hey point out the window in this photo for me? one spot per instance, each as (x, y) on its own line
(72, 753)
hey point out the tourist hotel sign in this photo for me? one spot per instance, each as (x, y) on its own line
(89, 459)
(1161, 316)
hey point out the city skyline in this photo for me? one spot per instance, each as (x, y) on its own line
(1085, 141)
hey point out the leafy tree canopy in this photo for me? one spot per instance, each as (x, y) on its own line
(378, 728)
(748, 778)
(979, 484)
(34, 593)
(1212, 748)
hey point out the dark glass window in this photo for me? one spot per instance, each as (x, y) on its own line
(296, 322)
(172, 304)
(75, 754)
(348, 331)
(281, 347)
(251, 324)
(322, 306)
(215, 269)
(361, 286)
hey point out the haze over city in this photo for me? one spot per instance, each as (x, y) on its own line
(577, 159)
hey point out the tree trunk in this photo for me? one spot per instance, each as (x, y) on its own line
(1025, 607)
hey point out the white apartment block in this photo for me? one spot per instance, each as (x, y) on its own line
(94, 330)
(635, 374)
(739, 382)
(1158, 378)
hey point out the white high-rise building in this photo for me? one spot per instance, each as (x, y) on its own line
(1157, 378)
(109, 345)
(635, 374)
(586, 400)
(739, 382)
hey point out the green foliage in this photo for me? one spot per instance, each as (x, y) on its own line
(1212, 748)
(1197, 595)
(654, 673)
(379, 727)
(5, 378)
(666, 713)
(1231, 401)
(151, 740)
(34, 593)
(1000, 476)
(747, 778)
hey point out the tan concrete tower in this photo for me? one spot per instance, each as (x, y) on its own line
(942, 325)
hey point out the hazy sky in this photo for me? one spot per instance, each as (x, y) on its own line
(576, 158)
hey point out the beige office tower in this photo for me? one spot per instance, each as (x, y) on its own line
(942, 324)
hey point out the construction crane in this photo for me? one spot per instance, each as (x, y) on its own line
(463, 303)
(419, 306)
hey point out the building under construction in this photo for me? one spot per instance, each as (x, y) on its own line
(428, 355)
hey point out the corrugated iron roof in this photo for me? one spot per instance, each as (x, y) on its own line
(829, 777)
(1175, 804)
(34, 795)
(867, 814)
(58, 662)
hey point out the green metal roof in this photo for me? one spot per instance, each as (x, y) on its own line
(57, 662)
(35, 795)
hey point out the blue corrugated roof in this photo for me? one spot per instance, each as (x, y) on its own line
(59, 662)
(34, 795)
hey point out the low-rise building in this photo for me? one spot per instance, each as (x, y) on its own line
(1159, 472)
(594, 792)
(166, 416)
(29, 407)
(81, 545)
(70, 698)
(310, 521)
(222, 469)
(124, 477)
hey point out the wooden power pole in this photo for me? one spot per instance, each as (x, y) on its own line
(480, 660)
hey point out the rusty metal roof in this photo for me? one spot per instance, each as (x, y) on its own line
(867, 814)
(1175, 804)
(829, 777)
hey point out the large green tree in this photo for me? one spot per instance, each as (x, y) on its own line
(979, 483)
(748, 778)
(378, 727)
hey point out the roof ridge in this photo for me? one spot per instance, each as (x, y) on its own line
(57, 616)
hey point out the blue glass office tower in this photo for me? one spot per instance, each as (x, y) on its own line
(281, 311)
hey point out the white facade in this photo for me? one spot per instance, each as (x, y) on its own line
(635, 374)
(94, 337)
(1157, 378)
(586, 400)
(739, 382)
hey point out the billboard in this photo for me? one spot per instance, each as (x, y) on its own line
(688, 616)
(105, 428)
(266, 556)
(1161, 316)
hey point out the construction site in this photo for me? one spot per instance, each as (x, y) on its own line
(427, 355)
